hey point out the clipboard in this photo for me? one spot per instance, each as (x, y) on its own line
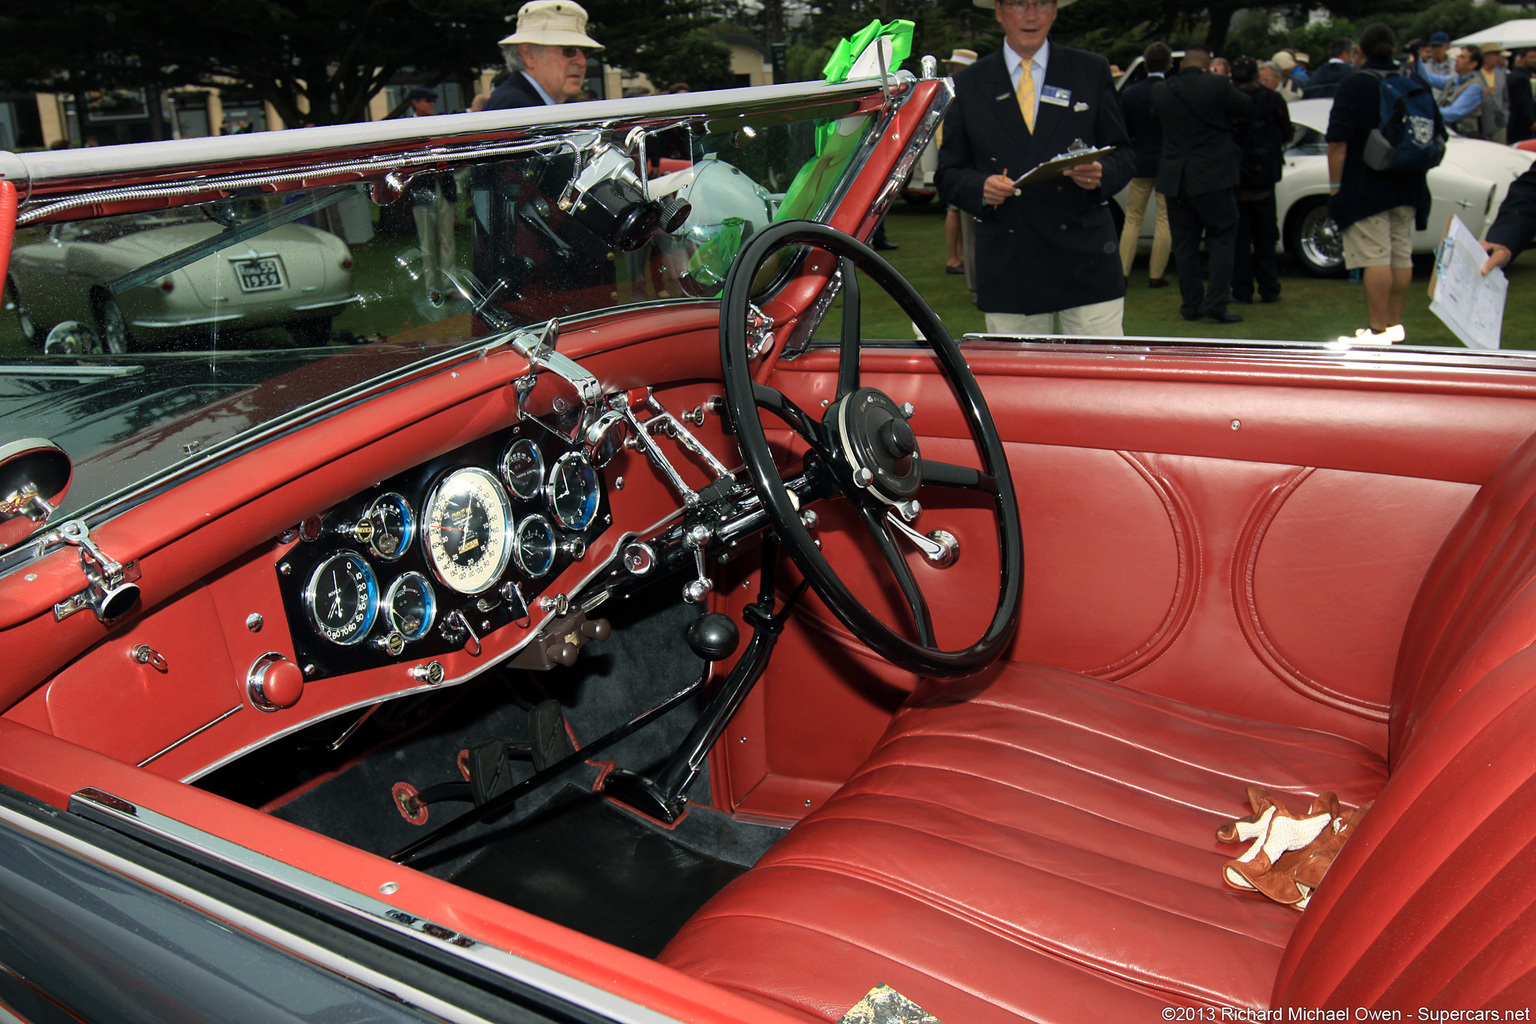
(1469, 302)
(1059, 165)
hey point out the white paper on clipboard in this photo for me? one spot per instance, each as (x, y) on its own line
(1059, 165)
(1470, 304)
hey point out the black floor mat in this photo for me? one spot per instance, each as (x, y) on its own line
(590, 866)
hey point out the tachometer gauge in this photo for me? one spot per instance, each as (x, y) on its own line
(411, 606)
(523, 469)
(342, 598)
(572, 491)
(394, 526)
(467, 525)
(533, 546)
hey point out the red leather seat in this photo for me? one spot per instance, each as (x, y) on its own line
(1008, 855)
(1042, 847)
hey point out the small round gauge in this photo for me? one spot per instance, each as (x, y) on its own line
(467, 530)
(394, 526)
(533, 546)
(572, 491)
(411, 605)
(342, 598)
(523, 469)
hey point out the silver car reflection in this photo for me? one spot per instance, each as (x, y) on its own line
(79, 289)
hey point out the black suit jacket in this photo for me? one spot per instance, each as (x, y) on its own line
(514, 91)
(1515, 225)
(1522, 108)
(1145, 131)
(1055, 246)
(1199, 112)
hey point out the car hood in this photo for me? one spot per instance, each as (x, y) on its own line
(120, 421)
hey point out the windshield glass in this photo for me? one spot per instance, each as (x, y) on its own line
(141, 339)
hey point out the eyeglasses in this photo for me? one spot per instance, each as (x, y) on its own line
(1029, 5)
(571, 51)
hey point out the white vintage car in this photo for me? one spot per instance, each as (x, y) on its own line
(1469, 183)
(109, 285)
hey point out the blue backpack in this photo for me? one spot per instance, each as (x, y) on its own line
(1411, 138)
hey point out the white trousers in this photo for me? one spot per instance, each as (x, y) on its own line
(1097, 319)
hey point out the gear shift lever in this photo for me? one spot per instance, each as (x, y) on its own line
(713, 637)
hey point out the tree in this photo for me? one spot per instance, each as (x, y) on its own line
(315, 61)
(639, 36)
(698, 59)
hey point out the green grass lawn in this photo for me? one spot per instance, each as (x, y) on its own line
(1310, 309)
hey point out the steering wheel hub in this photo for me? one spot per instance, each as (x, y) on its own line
(875, 436)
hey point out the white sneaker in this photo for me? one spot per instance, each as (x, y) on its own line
(1366, 336)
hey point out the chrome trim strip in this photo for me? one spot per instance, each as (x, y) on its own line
(355, 904)
(200, 321)
(191, 735)
(67, 370)
(1418, 356)
(298, 946)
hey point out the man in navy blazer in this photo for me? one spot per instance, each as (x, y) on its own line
(549, 64)
(1047, 250)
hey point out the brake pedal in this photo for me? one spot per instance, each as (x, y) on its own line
(547, 736)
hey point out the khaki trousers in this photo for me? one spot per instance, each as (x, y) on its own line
(1141, 191)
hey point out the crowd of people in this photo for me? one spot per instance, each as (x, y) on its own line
(1208, 136)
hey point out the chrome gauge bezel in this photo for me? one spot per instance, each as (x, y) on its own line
(535, 473)
(429, 599)
(497, 549)
(553, 495)
(535, 558)
(407, 531)
(354, 630)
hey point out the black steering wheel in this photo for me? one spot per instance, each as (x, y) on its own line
(864, 449)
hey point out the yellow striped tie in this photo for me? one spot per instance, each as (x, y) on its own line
(1027, 96)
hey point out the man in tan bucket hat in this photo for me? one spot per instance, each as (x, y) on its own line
(547, 55)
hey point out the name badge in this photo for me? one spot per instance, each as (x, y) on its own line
(1056, 95)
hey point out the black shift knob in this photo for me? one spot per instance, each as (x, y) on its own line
(713, 636)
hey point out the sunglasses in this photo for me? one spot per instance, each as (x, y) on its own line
(1029, 5)
(569, 51)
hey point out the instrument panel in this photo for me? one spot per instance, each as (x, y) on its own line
(432, 559)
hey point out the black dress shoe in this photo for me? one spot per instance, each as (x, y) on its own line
(883, 246)
(1225, 317)
(1191, 317)
(1158, 282)
(1269, 298)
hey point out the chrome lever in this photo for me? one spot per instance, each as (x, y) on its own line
(940, 547)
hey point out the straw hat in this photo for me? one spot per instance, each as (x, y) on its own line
(961, 57)
(552, 23)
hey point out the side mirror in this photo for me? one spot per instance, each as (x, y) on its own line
(34, 474)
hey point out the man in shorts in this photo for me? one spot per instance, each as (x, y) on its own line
(1376, 210)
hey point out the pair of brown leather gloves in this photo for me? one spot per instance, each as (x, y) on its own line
(1288, 854)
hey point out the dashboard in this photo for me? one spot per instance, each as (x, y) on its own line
(432, 559)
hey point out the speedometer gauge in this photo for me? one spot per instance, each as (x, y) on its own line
(572, 491)
(467, 530)
(342, 598)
